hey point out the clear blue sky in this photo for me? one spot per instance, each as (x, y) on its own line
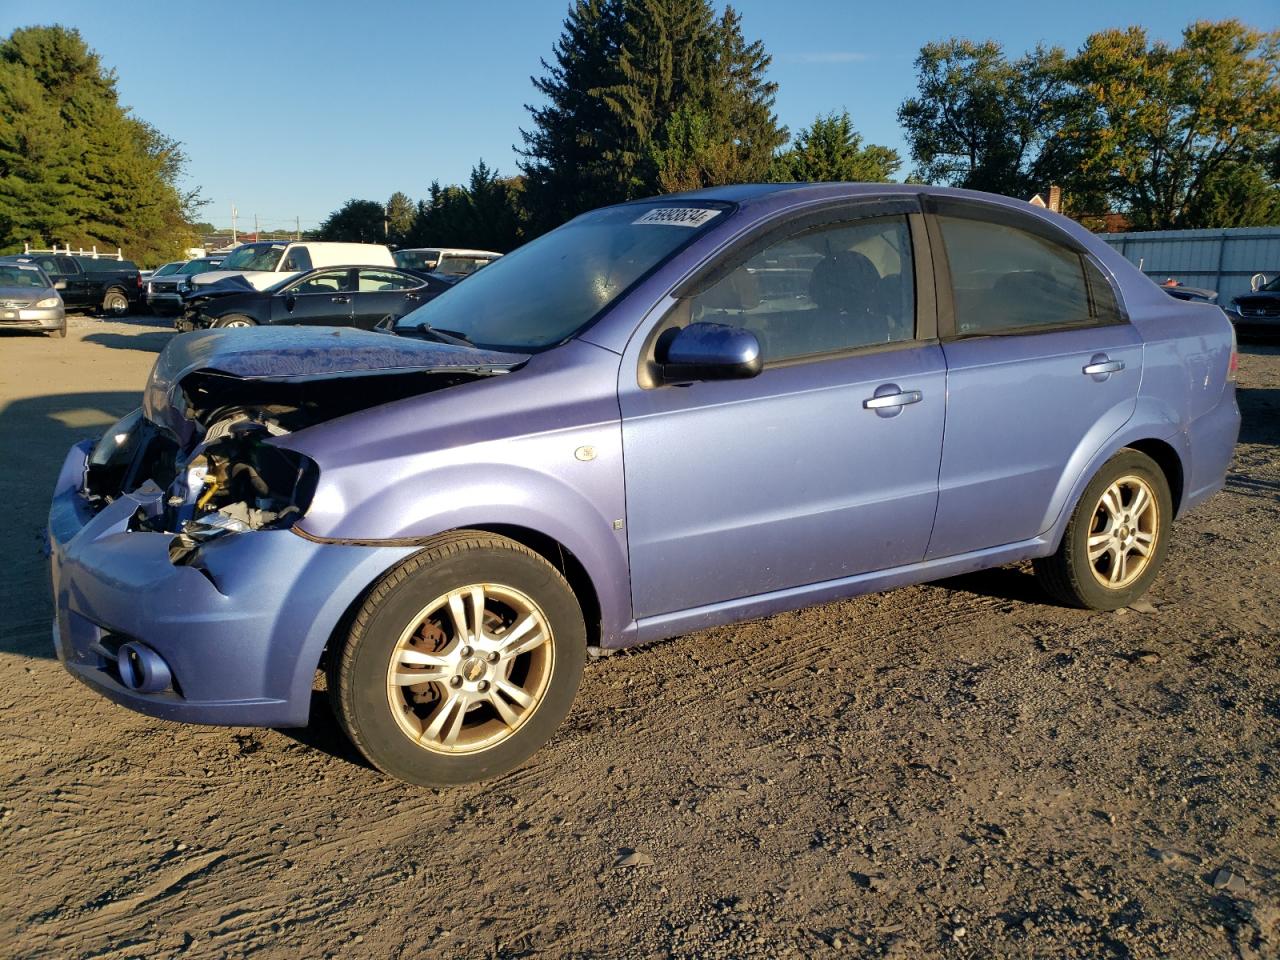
(289, 108)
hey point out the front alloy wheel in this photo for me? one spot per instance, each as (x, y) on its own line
(470, 668)
(469, 684)
(1117, 538)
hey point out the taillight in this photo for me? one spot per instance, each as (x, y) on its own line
(139, 281)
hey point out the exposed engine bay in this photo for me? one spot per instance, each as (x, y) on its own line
(229, 476)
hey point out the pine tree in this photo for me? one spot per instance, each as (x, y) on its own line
(832, 150)
(75, 166)
(647, 96)
(565, 167)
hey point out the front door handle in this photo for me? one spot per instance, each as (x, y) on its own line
(340, 299)
(1100, 365)
(893, 400)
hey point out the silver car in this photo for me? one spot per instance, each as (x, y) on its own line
(29, 300)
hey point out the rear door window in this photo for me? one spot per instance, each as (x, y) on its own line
(378, 281)
(1008, 280)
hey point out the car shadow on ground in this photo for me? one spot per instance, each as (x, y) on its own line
(1017, 584)
(322, 733)
(35, 435)
(153, 333)
(1259, 414)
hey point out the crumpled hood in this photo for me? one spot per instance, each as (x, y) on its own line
(257, 279)
(296, 355)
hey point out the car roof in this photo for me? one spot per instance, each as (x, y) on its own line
(451, 251)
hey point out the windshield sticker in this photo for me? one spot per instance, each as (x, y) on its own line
(678, 216)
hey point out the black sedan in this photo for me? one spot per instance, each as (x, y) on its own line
(329, 296)
(1256, 315)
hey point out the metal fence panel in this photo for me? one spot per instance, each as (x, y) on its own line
(1221, 260)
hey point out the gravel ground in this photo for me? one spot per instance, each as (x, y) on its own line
(959, 769)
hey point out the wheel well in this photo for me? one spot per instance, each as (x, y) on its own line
(563, 559)
(1170, 465)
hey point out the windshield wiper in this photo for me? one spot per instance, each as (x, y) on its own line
(442, 336)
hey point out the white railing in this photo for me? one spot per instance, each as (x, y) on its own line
(79, 252)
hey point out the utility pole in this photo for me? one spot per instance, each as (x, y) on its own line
(256, 234)
(233, 223)
(297, 228)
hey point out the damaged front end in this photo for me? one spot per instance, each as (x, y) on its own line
(204, 444)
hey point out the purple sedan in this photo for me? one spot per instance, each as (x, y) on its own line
(663, 416)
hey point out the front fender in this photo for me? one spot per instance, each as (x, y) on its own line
(566, 485)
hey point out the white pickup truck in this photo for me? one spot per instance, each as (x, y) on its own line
(266, 262)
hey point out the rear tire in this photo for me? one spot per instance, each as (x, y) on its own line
(435, 704)
(1117, 538)
(115, 303)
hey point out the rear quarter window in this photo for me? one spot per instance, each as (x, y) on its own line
(1005, 279)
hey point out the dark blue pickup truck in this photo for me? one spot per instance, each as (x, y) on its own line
(93, 282)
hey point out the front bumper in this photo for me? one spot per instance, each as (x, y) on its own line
(242, 634)
(33, 318)
(1254, 327)
(164, 302)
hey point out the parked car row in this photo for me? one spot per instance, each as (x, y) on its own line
(88, 282)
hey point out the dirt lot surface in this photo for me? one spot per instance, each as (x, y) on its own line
(958, 770)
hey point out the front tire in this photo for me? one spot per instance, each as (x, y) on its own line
(1117, 538)
(235, 320)
(461, 663)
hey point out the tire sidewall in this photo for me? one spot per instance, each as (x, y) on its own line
(1126, 463)
(115, 295)
(363, 678)
(224, 322)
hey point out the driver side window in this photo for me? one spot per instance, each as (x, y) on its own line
(826, 290)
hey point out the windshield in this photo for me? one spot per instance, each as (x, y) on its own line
(416, 259)
(1272, 287)
(22, 277)
(167, 269)
(547, 290)
(253, 256)
(199, 266)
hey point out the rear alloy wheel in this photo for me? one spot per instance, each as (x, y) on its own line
(1116, 541)
(115, 303)
(234, 320)
(470, 683)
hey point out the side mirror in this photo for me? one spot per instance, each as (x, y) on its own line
(290, 301)
(1257, 282)
(59, 284)
(707, 351)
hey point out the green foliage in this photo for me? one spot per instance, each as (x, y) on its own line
(76, 167)
(1173, 136)
(356, 221)
(981, 120)
(832, 150)
(1177, 137)
(400, 211)
(486, 214)
(646, 96)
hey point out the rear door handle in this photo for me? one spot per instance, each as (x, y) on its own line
(1101, 365)
(893, 400)
(340, 299)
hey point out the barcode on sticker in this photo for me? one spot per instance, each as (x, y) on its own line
(678, 216)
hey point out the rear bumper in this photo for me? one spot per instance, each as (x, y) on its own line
(1212, 440)
(242, 635)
